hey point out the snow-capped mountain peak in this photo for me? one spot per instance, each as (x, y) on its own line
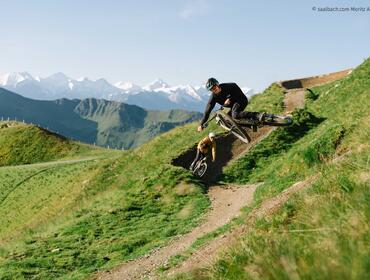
(70, 84)
(157, 95)
(247, 91)
(128, 87)
(13, 79)
(56, 79)
(4, 79)
(156, 85)
(184, 92)
(102, 81)
(81, 79)
(59, 76)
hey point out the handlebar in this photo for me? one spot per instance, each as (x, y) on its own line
(214, 115)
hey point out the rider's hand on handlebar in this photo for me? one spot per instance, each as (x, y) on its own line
(227, 102)
(200, 128)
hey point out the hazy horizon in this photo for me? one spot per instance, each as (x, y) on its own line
(252, 43)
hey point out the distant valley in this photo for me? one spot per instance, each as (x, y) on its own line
(103, 122)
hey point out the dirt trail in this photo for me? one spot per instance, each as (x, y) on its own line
(294, 98)
(229, 148)
(226, 203)
(208, 253)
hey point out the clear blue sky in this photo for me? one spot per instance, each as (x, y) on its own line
(182, 41)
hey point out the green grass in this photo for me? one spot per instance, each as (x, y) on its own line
(323, 232)
(32, 195)
(129, 206)
(270, 100)
(25, 144)
(266, 153)
(136, 201)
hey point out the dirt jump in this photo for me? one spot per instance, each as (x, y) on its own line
(226, 201)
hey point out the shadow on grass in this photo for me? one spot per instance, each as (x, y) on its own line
(224, 155)
(278, 142)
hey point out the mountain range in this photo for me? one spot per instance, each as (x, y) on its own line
(92, 120)
(158, 95)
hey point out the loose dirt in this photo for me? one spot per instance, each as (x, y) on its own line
(208, 254)
(294, 99)
(226, 201)
(229, 149)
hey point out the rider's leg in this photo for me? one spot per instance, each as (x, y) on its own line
(237, 112)
(241, 114)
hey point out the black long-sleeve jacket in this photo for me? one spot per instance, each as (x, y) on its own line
(228, 90)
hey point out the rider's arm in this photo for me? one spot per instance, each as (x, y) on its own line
(210, 105)
(199, 145)
(214, 151)
(228, 101)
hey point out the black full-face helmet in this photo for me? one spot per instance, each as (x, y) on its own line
(211, 83)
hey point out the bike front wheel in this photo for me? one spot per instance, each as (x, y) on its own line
(227, 123)
(200, 169)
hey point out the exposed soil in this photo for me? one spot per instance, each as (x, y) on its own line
(314, 81)
(229, 148)
(208, 254)
(294, 99)
(226, 201)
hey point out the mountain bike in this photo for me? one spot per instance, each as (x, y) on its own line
(200, 167)
(240, 127)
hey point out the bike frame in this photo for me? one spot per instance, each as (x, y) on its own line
(213, 117)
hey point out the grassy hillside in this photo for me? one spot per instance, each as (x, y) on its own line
(119, 209)
(104, 212)
(71, 220)
(270, 100)
(32, 195)
(127, 126)
(323, 232)
(58, 115)
(24, 144)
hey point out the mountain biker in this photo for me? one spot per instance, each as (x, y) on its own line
(203, 148)
(228, 95)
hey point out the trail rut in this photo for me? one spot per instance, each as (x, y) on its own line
(207, 254)
(226, 201)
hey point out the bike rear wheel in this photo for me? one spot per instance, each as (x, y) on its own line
(227, 123)
(200, 169)
(277, 120)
